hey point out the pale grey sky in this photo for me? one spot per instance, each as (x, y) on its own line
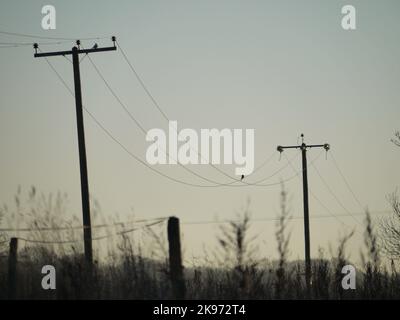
(280, 67)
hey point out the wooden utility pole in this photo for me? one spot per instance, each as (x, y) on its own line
(303, 147)
(75, 52)
(12, 269)
(175, 258)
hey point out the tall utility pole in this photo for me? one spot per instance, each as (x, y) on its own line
(303, 147)
(75, 52)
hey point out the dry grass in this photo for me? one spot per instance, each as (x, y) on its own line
(133, 268)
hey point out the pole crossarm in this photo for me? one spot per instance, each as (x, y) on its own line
(326, 146)
(69, 52)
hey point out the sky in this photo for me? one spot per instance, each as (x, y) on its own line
(281, 68)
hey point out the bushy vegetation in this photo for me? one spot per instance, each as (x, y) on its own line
(128, 270)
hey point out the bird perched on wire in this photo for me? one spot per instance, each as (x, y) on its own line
(95, 46)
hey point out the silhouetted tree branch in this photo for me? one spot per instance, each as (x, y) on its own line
(396, 139)
(390, 228)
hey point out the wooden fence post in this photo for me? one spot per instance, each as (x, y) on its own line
(175, 259)
(12, 269)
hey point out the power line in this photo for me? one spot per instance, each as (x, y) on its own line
(159, 220)
(108, 133)
(9, 46)
(331, 214)
(140, 160)
(140, 126)
(142, 84)
(341, 215)
(135, 157)
(263, 164)
(276, 219)
(40, 229)
(25, 35)
(319, 200)
(326, 208)
(289, 161)
(332, 193)
(50, 242)
(31, 44)
(130, 230)
(346, 182)
(157, 105)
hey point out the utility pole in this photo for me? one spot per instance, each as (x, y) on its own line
(303, 147)
(75, 52)
(175, 258)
